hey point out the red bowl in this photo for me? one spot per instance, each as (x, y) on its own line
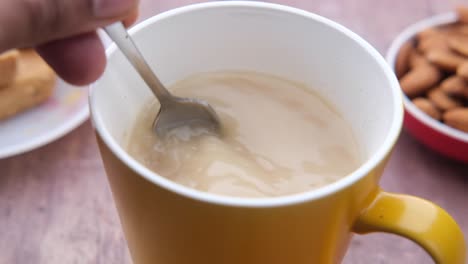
(448, 141)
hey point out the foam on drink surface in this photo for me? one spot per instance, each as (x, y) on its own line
(279, 138)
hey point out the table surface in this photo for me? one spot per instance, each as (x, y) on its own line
(56, 207)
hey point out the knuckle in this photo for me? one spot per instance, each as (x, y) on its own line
(44, 18)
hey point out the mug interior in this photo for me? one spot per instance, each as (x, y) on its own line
(282, 41)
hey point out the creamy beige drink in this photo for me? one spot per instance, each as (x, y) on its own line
(279, 138)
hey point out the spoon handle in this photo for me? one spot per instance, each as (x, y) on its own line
(119, 35)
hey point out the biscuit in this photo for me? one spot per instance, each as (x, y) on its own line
(33, 84)
(8, 66)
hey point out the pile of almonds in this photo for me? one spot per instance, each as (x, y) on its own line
(433, 71)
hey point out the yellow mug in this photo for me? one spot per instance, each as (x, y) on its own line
(171, 224)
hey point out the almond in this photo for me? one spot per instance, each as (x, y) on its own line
(457, 118)
(402, 60)
(462, 13)
(445, 59)
(438, 42)
(416, 59)
(455, 86)
(419, 80)
(463, 29)
(459, 43)
(462, 70)
(427, 33)
(427, 107)
(442, 100)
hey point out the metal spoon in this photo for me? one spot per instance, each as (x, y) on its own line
(174, 111)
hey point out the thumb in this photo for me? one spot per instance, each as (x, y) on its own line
(27, 23)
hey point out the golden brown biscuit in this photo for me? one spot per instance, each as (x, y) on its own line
(8, 67)
(34, 83)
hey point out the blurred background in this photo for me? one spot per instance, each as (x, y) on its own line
(56, 207)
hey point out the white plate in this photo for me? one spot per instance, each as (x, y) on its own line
(63, 112)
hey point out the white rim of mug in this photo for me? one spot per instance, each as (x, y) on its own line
(315, 194)
(407, 34)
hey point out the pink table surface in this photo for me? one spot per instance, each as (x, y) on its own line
(56, 207)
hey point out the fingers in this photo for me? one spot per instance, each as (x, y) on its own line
(78, 60)
(26, 23)
(60, 29)
(132, 18)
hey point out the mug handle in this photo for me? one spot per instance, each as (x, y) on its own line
(418, 220)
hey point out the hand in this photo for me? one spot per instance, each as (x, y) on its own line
(64, 32)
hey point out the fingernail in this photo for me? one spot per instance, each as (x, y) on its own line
(111, 8)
